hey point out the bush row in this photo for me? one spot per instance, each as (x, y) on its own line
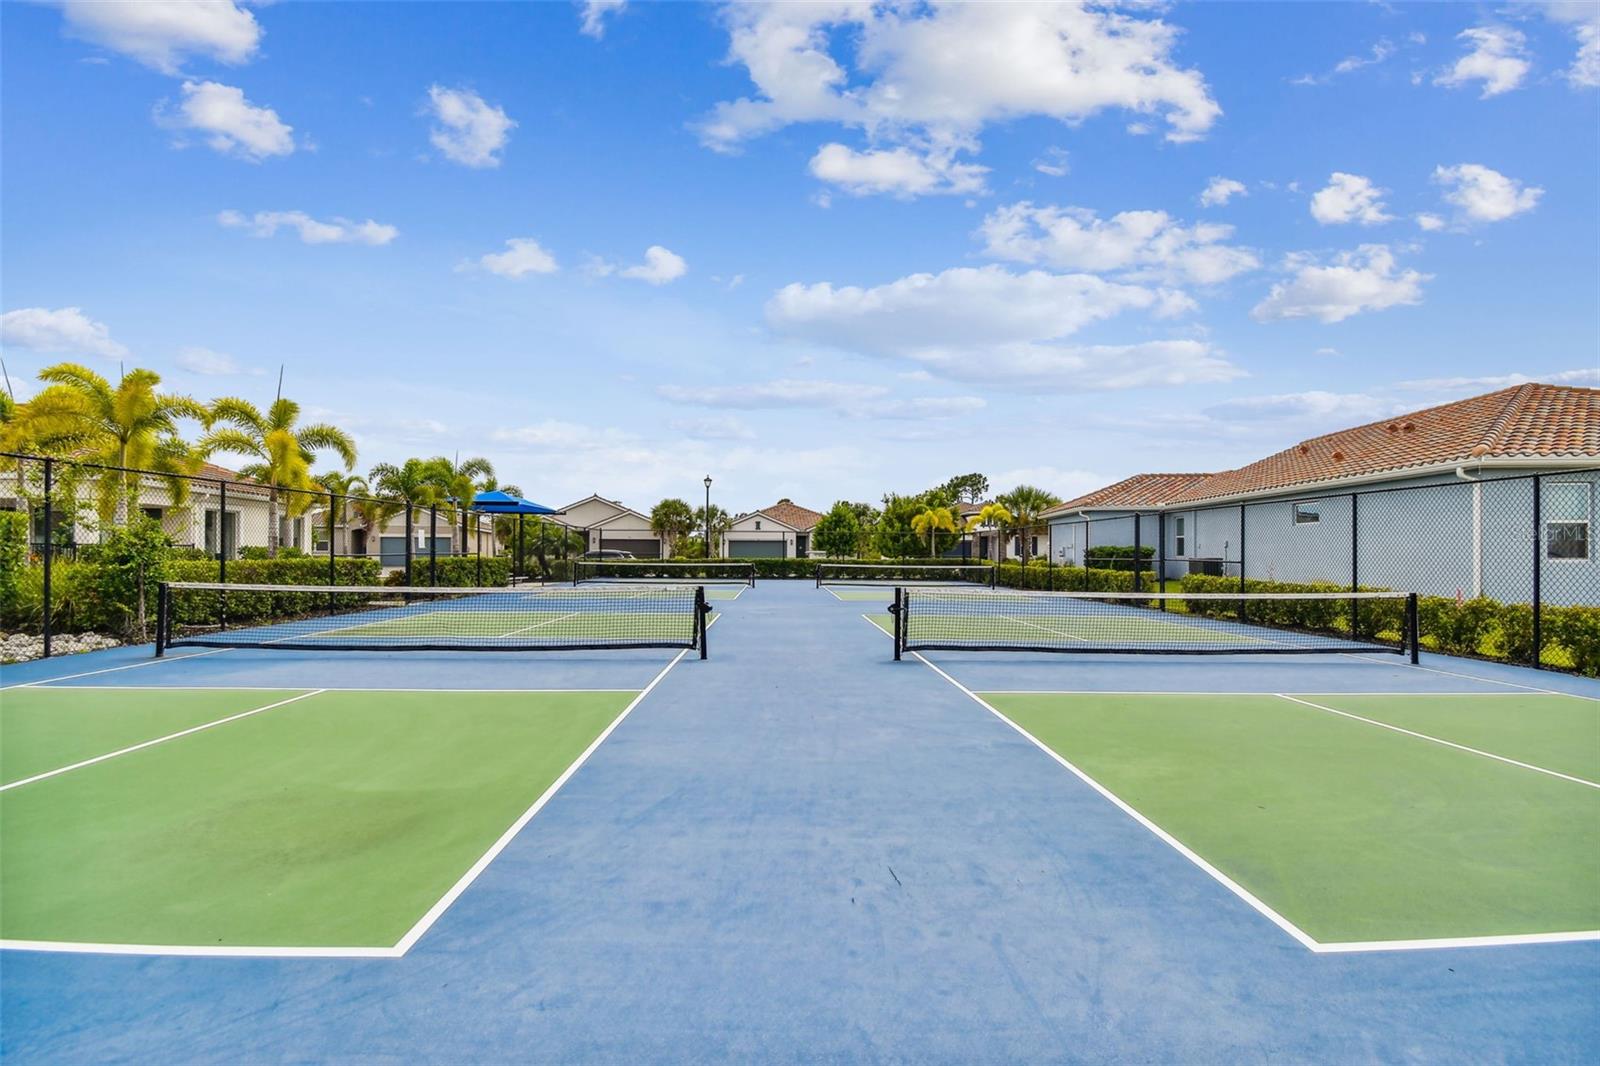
(1039, 575)
(1479, 627)
(457, 571)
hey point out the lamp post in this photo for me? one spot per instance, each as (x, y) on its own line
(708, 517)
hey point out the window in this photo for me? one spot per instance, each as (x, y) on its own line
(1180, 536)
(1566, 519)
(758, 523)
(1307, 514)
(230, 529)
(152, 512)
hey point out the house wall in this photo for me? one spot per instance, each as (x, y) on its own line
(744, 530)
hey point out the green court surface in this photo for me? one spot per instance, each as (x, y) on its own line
(1351, 831)
(338, 819)
(865, 595)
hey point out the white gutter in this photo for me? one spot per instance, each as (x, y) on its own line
(1477, 529)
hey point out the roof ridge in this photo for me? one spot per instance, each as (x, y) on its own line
(1502, 421)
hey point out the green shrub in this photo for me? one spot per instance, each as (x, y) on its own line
(13, 562)
(285, 551)
(129, 564)
(1577, 630)
(456, 571)
(1457, 628)
(303, 571)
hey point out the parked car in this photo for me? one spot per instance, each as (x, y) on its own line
(608, 555)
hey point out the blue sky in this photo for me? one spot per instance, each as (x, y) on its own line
(820, 251)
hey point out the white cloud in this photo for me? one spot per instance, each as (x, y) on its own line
(1219, 191)
(522, 256)
(659, 267)
(1383, 49)
(992, 326)
(312, 231)
(469, 131)
(160, 33)
(64, 331)
(210, 363)
(715, 428)
(1583, 376)
(898, 172)
(1053, 162)
(1583, 17)
(594, 13)
(1362, 280)
(930, 77)
(785, 392)
(228, 122)
(1314, 406)
(1485, 195)
(1429, 222)
(1349, 198)
(1496, 57)
(1142, 244)
(1326, 352)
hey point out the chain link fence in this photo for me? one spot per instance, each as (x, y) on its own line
(1507, 567)
(65, 527)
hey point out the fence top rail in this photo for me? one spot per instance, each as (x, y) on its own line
(424, 590)
(1130, 594)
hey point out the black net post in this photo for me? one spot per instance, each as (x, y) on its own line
(433, 544)
(409, 543)
(898, 612)
(702, 612)
(1538, 572)
(1413, 634)
(163, 615)
(47, 551)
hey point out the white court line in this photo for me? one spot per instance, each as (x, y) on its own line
(536, 625)
(1304, 938)
(325, 688)
(1439, 740)
(113, 669)
(1472, 677)
(412, 935)
(426, 921)
(158, 740)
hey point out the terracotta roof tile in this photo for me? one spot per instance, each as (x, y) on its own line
(1140, 490)
(1522, 422)
(792, 514)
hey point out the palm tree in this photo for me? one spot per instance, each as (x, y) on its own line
(283, 451)
(672, 519)
(993, 515)
(341, 487)
(1026, 503)
(130, 425)
(931, 520)
(414, 482)
(719, 521)
(459, 481)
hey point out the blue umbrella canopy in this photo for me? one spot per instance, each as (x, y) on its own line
(497, 502)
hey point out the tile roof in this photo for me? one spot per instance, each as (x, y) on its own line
(792, 514)
(1140, 490)
(1529, 421)
(234, 479)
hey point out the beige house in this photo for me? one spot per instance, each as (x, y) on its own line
(609, 525)
(781, 531)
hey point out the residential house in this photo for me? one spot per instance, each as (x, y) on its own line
(1108, 516)
(612, 525)
(1439, 501)
(781, 531)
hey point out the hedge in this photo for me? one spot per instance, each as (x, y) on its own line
(1039, 575)
(456, 571)
(1479, 627)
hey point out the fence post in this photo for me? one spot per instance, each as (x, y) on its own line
(1413, 635)
(1161, 555)
(1138, 551)
(1050, 557)
(222, 553)
(333, 555)
(1242, 520)
(516, 567)
(1538, 571)
(1355, 563)
(433, 544)
(47, 552)
(409, 538)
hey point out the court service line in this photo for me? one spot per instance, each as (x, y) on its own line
(113, 669)
(1165, 837)
(1440, 740)
(1475, 677)
(157, 740)
(536, 625)
(437, 910)
(326, 688)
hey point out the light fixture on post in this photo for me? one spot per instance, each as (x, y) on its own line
(708, 516)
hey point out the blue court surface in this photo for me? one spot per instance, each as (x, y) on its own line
(801, 850)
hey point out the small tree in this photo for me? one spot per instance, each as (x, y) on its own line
(838, 533)
(129, 563)
(721, 522)
(1026, 503)
(966, 488)
(932, 521)
(672, 519)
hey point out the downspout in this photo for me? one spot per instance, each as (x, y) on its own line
(1477, 529)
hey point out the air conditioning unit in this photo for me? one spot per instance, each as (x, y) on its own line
(1212, 567)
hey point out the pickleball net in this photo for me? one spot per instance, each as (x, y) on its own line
(955, 619)
(375, 618)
